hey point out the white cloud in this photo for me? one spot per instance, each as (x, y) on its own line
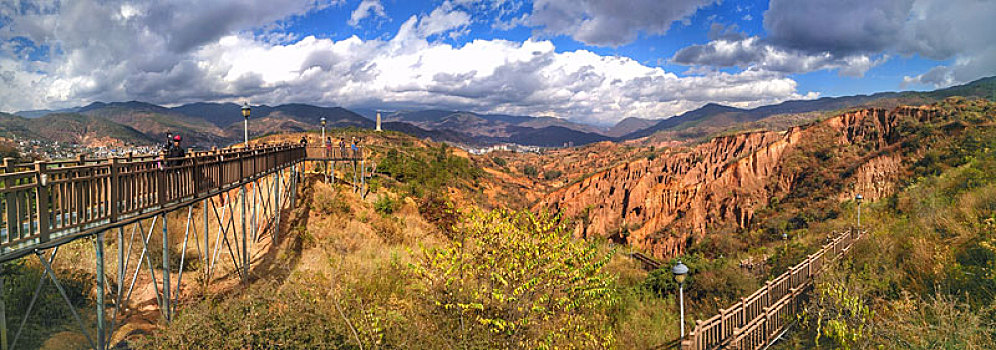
(753, 52)
(366, 9)
(443, 19)
(133, 60)
(962, 30)
(610, 22)
(484, 75)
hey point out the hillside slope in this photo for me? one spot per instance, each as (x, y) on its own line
(680, 196)
(71, 128)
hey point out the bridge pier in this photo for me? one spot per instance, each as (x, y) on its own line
(46, 209)
(98, 248)
(166, 291)
(245, 241)
(3, 311)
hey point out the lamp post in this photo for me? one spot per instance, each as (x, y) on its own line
(858, 199)
(323, 129)
(324, 163)
(680, 271)
(245, 114)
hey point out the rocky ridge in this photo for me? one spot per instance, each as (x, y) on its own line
(663, 204)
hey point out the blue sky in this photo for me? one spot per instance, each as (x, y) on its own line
(594, 61)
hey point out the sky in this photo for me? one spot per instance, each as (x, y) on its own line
(590, 61)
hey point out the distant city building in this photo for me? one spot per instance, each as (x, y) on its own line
(510, 147)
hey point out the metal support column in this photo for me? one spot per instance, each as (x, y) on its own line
(207, 235)
(276, 205)
(245, 238)
(101, 326)
(166, 291)
(3, 311)
(58, 286)
(293, 189)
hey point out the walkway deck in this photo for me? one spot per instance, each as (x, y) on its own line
(47, 204)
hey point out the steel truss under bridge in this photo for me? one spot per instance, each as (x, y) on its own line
(229, 203)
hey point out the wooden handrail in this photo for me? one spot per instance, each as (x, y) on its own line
(755, 320)
(73, 198)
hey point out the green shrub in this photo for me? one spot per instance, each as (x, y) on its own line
(330, 202)
(551, 174)
(50, 313)
(438, 209)
(499, 161)
(264, 317)
(423, 171)
(530, 171)
(386, 204)
(517, 280)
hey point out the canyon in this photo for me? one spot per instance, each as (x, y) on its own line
(662, 204)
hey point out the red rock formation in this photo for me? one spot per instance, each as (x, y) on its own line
(682, 193)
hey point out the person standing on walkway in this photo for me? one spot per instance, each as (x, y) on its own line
(352, 146)
(174, 158)
(328, 147)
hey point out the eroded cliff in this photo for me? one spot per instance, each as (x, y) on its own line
(663, 204)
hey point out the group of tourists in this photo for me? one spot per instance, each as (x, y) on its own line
(354, 147)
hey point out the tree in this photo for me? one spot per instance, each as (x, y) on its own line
(517, 280)
(530, 171)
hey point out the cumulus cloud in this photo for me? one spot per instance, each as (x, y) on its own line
(112, 50)
(610, 22)
(484, 75)
(129, 60)
(852, 36)
(444, 19)
(838, 26)
(365, 9)
(732, 51)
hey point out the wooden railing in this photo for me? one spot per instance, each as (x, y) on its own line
(335, 153)
(50, 203)
(756, 320)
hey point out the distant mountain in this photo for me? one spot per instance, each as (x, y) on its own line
(71, 128)
(43, 112)
(368, 113)
(209, 124)
(713, 113)
(220, 114)
(542, 122)
(297, 118)
(553, 136)
(629, 125)
(483, 125)
(226, 115)
(716, 116)
(435, 135)
(335, 116)
(155, 121)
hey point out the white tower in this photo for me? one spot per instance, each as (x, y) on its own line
(378, 121)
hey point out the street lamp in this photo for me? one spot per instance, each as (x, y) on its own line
(323, 129)
(785, 238)
(245, 114)
(680, 271)
(858, 199)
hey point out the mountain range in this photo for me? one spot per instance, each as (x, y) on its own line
(207, 124)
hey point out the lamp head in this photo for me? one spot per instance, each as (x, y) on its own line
(245, 110)
(785, 236)
(680, 271)
(858, 198)
(323, 121)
